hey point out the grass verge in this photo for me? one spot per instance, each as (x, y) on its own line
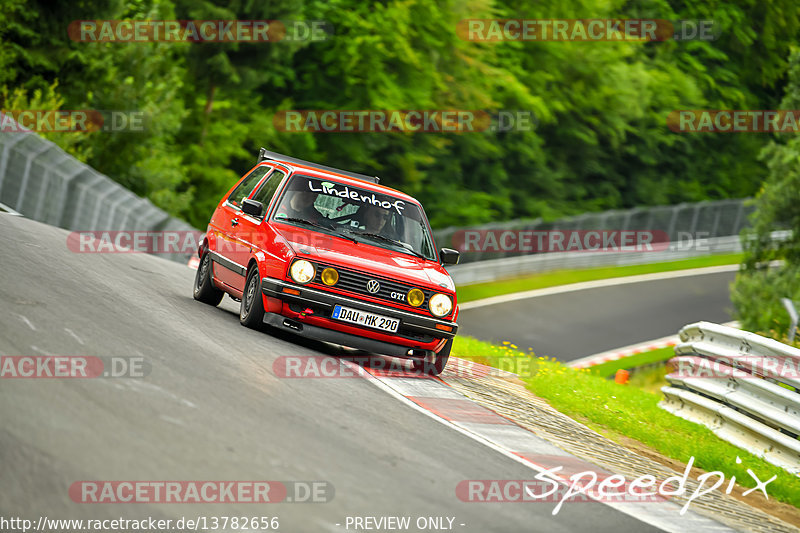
(632, 361)
(619, 411)
(478, 291)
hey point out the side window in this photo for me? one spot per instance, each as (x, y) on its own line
(247, 185)
(267, 190)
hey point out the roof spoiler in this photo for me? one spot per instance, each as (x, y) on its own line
(266, 155)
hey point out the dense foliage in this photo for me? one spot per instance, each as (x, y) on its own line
(771, 268)
(601, 139)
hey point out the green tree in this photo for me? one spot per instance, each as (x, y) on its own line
(758, 288)
(601, 140)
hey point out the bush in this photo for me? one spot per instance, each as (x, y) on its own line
(758, 288)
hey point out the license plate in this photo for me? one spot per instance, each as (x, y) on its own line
(362, 318)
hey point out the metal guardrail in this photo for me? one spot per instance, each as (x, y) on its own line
(742, 386)
(788, 304)
(509, 267)
(673, 223)
(42, 182)
(683, 231)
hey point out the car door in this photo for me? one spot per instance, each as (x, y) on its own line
(228, 268)
(252, 233)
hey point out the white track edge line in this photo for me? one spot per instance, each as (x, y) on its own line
(596, 284)
(646, 518)
(9, 211)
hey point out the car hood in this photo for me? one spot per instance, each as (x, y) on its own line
(367, 258)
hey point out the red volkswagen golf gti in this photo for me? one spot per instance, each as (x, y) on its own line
(333, 256)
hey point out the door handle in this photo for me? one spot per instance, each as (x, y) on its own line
(235, 222)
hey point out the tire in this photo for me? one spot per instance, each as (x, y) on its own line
(204, 289)
(251, 309)
(439, 361)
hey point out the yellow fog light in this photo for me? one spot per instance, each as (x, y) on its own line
(415, 297)
(330, 276)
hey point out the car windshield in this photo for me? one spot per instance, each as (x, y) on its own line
(377, 219)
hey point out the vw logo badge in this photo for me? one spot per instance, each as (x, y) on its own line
(373, 286)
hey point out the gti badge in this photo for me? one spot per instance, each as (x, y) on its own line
(373, 286)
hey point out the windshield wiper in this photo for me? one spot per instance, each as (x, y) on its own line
(384, 238)
(317, 225)
(303, 221)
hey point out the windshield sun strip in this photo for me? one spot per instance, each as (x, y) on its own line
(423, 225)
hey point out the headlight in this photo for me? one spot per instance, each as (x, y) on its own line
(330, 276)
(440, 304)
(302, 271)
(415, 297)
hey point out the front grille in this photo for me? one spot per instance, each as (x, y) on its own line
(356, 282)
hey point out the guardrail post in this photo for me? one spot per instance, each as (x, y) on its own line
(6, 154)
(789, 305)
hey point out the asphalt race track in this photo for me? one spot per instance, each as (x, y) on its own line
(577, 324)
(211, 408)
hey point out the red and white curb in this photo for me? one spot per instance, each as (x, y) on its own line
(633, 349)
(434, 398)
(627, 351)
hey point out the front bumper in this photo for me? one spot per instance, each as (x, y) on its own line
(413, 328)
(336, 337)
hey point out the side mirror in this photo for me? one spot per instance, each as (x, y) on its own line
(252, 208)
(449, 256)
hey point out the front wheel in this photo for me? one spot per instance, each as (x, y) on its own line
(251, 312)
(439, 362)
(204, 289)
